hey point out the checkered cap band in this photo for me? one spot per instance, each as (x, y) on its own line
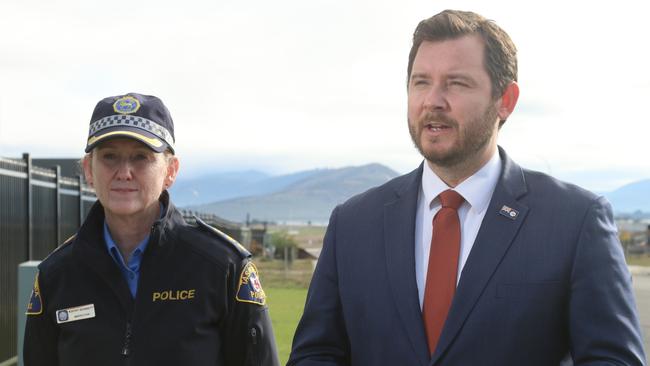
(132, 121)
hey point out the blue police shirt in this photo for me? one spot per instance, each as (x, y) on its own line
(130, 271)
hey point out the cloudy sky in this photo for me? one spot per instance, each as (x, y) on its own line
(288, 85)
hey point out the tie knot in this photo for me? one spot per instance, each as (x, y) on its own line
(451, 199)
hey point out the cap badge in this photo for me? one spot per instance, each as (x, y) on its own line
(126, 105)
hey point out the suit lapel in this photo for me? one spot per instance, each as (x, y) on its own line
(399, 230)
(495, 236)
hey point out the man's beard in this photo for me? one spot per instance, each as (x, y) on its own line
(473, 138)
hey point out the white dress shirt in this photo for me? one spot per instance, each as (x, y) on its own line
(476, 190)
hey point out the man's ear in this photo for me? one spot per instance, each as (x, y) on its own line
(87, 166)
(508, 100)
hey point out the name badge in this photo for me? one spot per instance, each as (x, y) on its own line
(76, 313)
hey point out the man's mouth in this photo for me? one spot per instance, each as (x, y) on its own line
(436, 127)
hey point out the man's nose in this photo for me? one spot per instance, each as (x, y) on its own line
(435, 99)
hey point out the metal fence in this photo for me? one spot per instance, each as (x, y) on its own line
(39, 209)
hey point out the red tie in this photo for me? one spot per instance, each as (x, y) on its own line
(443, 266)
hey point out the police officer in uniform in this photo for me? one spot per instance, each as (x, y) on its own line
(137, 285)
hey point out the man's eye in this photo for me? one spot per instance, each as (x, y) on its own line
(140, 157)
(458, 83)
(109, 156)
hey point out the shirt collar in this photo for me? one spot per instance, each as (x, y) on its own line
(112, 247)
(114, 250)
(476, 190)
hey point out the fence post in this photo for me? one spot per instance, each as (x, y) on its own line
(30, 217)
(58, 205)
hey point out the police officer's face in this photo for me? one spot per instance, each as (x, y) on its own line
(451, 113)
(128, 177)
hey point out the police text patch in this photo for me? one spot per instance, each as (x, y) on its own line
(170, 295)
(250, 289)
(35, 306)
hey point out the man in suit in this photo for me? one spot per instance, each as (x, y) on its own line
(469, 259)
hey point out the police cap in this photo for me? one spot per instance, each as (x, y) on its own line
(140, 117)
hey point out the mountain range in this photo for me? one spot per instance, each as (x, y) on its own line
(307, 196)
(310, 195)
(631, 197)
(222, 186)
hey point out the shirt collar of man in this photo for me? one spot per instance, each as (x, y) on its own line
(476, 190)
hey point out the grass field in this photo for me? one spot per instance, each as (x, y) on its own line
(286, 290)
(285, 306)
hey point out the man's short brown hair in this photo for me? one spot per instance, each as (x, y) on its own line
(500, 51)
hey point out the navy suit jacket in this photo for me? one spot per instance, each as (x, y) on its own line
(547, 285)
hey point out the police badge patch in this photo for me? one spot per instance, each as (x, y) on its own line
(250, 289)
(35, 306)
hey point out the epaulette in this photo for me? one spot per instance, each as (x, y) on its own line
(225, 237)
(63, 245)
(69, 240)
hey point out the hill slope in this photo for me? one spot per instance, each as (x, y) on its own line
(631, 197)
(223, 186)
(309, 199)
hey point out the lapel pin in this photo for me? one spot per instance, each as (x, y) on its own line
(508, 212)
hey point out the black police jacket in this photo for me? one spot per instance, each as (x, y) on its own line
(199, 302)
